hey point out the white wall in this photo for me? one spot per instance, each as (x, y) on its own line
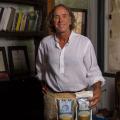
(92, 22)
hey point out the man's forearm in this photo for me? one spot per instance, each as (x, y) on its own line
(97, 85)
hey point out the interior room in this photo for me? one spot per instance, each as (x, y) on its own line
(22, 27)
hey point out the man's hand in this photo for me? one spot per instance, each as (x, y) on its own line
(44, 89)
(96, 94)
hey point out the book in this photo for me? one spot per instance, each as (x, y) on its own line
(36, 20)
(15, 21)
(3, 18)
(20, 14)
(11, 18)
(32, 19)
(27, 23)
(39, 21)
(1, 12)
(6, 19)
(23, 22)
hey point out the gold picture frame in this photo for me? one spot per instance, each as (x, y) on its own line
(81, 20)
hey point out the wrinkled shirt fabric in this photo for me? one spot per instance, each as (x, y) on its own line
(70, 68)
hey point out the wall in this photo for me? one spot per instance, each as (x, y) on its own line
(110, 82)
(112, 36)
(74, 3)
(108, 94)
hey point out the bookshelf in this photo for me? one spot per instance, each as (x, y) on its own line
(29, 38)
(23, 91)
(38, 5)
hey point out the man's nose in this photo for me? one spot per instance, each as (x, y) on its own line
(60, 19)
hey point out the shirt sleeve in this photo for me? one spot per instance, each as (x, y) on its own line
(40, 63)
(93, 71)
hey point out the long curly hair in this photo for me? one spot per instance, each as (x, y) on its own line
(51, 17)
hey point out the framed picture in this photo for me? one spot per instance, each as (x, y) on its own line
(3, 65)
(3, 60)
(18, 60)
(81, 20)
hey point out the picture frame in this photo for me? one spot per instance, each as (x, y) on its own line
(3, 65)
(18, 60)
(3, 60)
(80, 20)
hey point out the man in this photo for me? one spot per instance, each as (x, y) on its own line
(66, 62)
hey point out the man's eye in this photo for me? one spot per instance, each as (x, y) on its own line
(56, 17)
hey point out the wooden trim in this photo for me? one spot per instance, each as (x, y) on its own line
(28, 2)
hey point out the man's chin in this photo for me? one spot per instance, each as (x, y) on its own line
(61, 31)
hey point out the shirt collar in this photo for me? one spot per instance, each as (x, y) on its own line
(70, 38)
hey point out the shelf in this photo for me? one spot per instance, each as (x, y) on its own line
(21, 34)
(38, 5)
(27, 2)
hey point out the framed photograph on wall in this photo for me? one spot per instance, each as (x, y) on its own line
(18, 60)
(3, 65)
(81, 20)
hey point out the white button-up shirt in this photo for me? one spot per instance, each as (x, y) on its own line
(70, 68)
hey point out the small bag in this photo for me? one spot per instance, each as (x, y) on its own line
(65, 109)
(84, 112)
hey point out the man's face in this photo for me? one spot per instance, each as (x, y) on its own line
(62, 20)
